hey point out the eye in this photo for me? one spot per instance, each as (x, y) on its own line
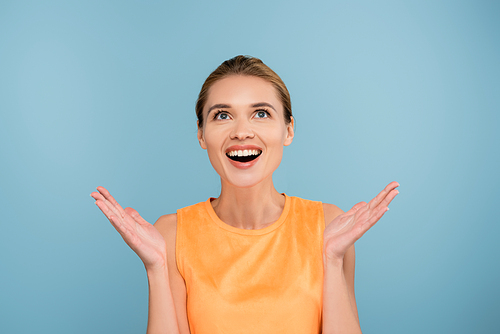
(221, 115)
(261, 114)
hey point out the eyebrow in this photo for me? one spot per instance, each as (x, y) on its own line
(218, 106)
(227, 106)
(263, 104)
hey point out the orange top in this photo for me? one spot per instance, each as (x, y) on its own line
(252, 281)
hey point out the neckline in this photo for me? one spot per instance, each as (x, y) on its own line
(242, 231)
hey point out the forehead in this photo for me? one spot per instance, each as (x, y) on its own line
(242, 90)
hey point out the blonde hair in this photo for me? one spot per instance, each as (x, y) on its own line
(245, 65)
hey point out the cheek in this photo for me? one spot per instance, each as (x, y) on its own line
(213, 139)
(214, 142)
(278, 137)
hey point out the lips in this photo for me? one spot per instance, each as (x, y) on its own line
(243, 156)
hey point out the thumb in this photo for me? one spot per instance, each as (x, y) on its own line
(357, 206)
(135, 215)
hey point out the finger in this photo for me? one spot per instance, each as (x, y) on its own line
(354, 209)
(388, 199)
(120, 224)
(358, 206)
(362, 214)
(382, 195)
(98, 196)
(126, 222)
(108, 213)
(384, 205)
(136, 216)
(375, 217)
(105, 193)
(365, 224)
(111, 200)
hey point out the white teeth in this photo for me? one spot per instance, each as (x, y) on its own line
(243, 153)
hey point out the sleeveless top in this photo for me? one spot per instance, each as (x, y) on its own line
(252, 281)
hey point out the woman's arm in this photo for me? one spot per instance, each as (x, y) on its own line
(150, 245)
(161, 315)
(167, 226)
(340, 314)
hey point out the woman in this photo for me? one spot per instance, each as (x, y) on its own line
(252, 260)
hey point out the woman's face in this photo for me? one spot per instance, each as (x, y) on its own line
(244, 131)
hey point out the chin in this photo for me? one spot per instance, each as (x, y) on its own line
(247, 179)
(243, 181)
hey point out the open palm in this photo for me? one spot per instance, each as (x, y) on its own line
(348, 227)
(141, 236)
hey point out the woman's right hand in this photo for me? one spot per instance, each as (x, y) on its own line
(141, 236)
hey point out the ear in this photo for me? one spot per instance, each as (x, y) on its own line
(290, 133)
(201, 139)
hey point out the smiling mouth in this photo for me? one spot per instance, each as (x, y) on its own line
(244, 155)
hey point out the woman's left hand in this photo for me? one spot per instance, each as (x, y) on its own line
(348, 227)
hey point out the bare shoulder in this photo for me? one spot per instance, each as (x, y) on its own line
(166, 223)
(167, 226)
(331, 211)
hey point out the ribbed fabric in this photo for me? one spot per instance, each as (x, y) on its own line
(252, 281)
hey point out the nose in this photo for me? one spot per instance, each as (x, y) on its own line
(242, 130)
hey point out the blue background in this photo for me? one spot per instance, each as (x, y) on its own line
(102, 93)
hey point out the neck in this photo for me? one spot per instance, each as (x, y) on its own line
(250, 208)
